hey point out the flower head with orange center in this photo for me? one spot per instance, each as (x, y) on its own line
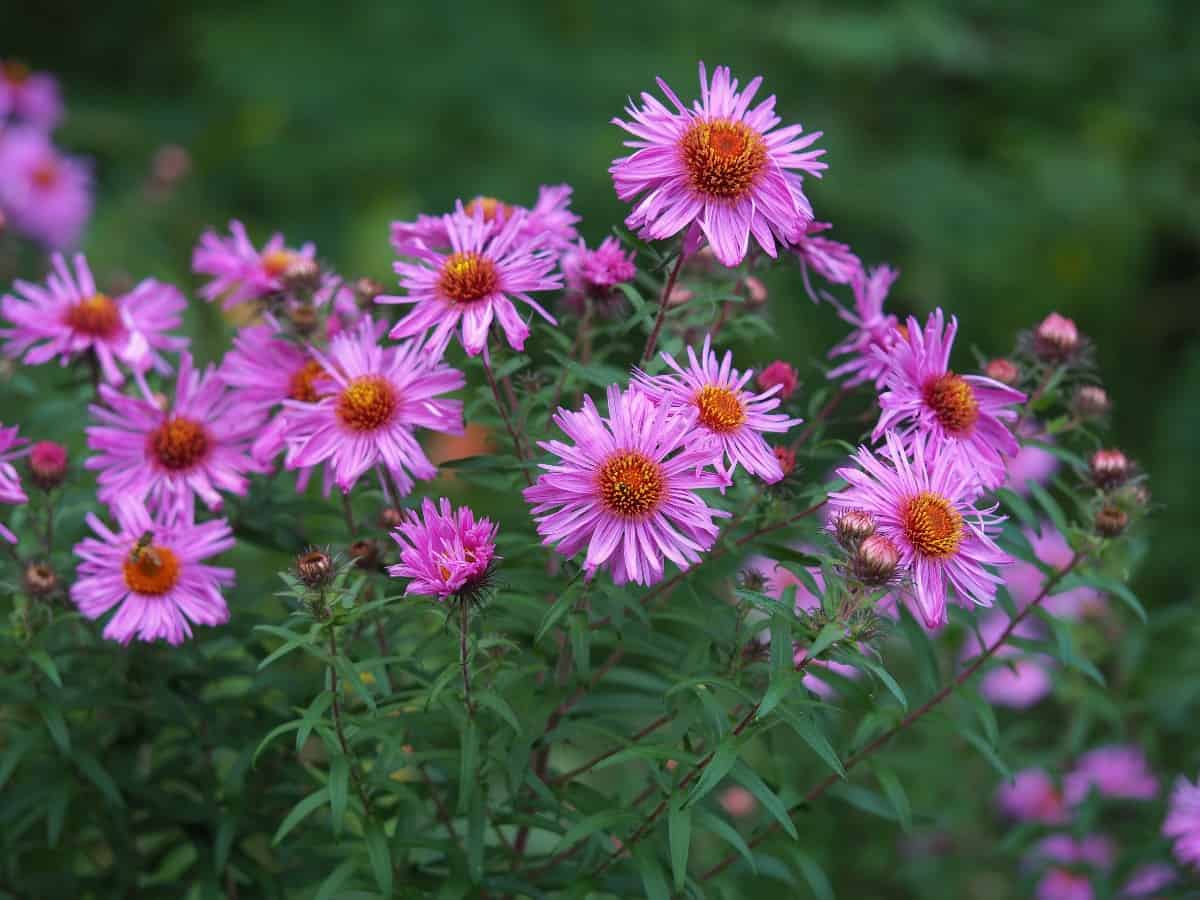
(28, 97)
(968, 414)
(46, 195)
(152, 570)
(239, 272)
(473, 284)
(68, 318)
(196, 444)
(727, 420)
(373, 400)
(445, 552)
(720, 170)
(924, 503)
(625, 489)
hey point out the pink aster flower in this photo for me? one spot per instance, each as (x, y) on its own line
(1064, 884)
(1032, 796)
(719, 169)
(69, 317)
(925, 505)
(473, 284)
(46, 195)
(152, 569)
(1148, 880)
(550, 223)
(11, 446)
(239, 272)
(726, 419)
(30, 97)
(193, 445)
(1120, 771)
(1019, 679)
(376, 398)
(830, 259)
(1182, 824)
(872, 328)
(1093, 850)
(445, 552)
(966, 412)
(625, 489)
(1025, 580)
(593, 275)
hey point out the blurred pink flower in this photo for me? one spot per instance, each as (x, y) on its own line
(1024, 580)
(549, 223)
(11, 447)
(1029, 463)
(1119, 771)
(46, 195)
(1148, 880)
(1016, 678)
(1183, 821)
(1032, 796)
(29, 97)
(738, 802)
(781, 374)
(592, 276)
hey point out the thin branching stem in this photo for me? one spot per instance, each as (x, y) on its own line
(663, 304)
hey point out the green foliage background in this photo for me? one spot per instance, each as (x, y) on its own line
(1011, 158)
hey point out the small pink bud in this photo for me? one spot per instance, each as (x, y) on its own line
(1003, 371)
(875, 561)
(787, 459)
(738, 802)
(756, 291)
(853, 527)
(48, 464)
(679, 295)
(1056, 338)
(1091, 401)
(782, 374)
(171, 164)
(1109, 468)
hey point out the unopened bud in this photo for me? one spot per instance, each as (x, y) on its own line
(1003, 371)
(853, 527)
(170, 165)
(40, 580)
(782, 374)
(365, 554)
(756, 291)
(303, 319)
(367, 289)
(48, 464)
(1111, 521)
(314, 567)
(874, 562)
(1056, 339)
(302, 275)
(787, 459)
(679, 295)
(389, 518)
(753, 580)
(1091, 401)
(1109, 468)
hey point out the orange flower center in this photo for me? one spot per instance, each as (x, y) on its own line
(492, 208)
(96, 315)
(179, 443)
(44, 175)
(367, 403)
(276, 262)
(15, 73)
(720, 409)
(932, 525)
(467, 277)
(631, 484)
(300, 386)
(151, 570)
(723, 158)
(953, 402)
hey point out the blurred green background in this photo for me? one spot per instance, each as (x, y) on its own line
(1012, 157)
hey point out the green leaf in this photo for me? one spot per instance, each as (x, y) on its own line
(331, 887)
(749, 779)
(223, 843)
(653, 880)
(95, 773)
(557, 610)
(894, 791)
(723, 759)
(1016, 504)
(814, 875)
(500, 707)
(57, 726)
(586, 827)
(475, 830)
(1050, 505)
(43, 661)
(380, 854)
(300, 812)
(679, 831)
(812, 734)
(987, 751)
(883, 675)
(727, 833)
(580, 635)
(828, 635)
(339, 790)
(1109, 585)
(468, 772)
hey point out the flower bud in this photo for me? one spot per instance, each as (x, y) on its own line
(365, 554)
(40, 580)
(1109, 468)
(367, 289)
(302, 275)
(1091, 401)
(782, 374)
(752, 580)
(48, 464)
(314, 567)
(738, 802)
(1056, 339)
(303, 319)
(756, 291)
(853, 527)
(1111, 521)
(170, 165)
(874, 562)
(679, 295)
(787, 459)
(389, 518)
(1003, 371)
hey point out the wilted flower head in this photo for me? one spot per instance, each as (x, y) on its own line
(625, 489)
(28, 96)
(966, 414)
(726, 419)
(1111, 521)
(315, 567)
(445, 552)
(925, 505)
(473, 284)
(549, 223)
(369, 404)
(1119, 771)
(45, 194)
(239, 272)
(151, 568)
(1032, 796)
(872, 328)
(1182, 824)
(779, 374)
(719, 169)
(196, 444)
(69, 317)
